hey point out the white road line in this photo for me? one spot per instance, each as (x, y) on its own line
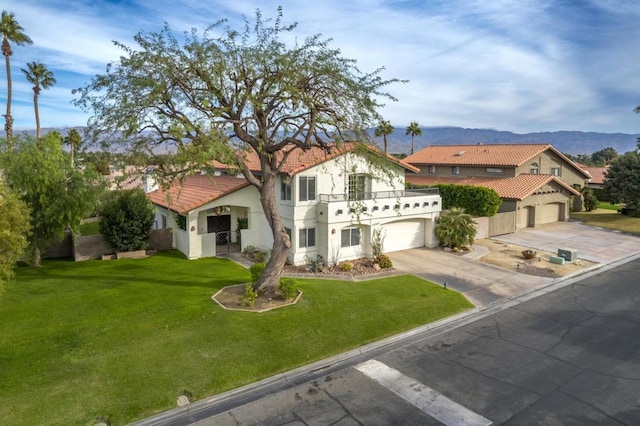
(428, 400)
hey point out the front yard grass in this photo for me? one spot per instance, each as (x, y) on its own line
(121, 340)
(609, 219)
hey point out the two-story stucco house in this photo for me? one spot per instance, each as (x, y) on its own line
(330, 204)
(535, 181)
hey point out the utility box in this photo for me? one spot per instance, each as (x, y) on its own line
(570, 255)
(557, 260)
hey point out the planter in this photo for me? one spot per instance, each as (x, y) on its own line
(529, 254)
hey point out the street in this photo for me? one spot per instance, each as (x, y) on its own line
(569, 357)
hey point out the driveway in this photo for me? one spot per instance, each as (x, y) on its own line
(593, 244)
(485, 284)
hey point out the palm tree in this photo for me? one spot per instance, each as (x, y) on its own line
(41, 78)
(455, 228)
(73, 139)
(11, 31)
(384, 128)
(414, 130)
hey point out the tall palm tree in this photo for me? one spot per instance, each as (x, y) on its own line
(41, 78)
(11, 32)
(74, 140)
(384, 128)
(414, 130)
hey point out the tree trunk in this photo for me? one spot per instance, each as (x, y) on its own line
(35, 261)
(269, 281)
(8, 123)
(35, 107)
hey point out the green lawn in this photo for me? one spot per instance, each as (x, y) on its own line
(122, 339)
(92, 228)
(608, 206)
(609, 219)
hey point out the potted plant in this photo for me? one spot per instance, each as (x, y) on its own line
(529, 254)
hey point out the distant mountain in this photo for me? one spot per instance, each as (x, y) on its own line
(570, 142)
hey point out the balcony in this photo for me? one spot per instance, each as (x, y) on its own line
(383, 204)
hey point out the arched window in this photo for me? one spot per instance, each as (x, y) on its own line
(534, 169)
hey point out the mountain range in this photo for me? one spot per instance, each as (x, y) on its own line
(570, 142)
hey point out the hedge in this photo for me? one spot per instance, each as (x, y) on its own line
(476, 200)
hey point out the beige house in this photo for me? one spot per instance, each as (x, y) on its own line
(536, 182)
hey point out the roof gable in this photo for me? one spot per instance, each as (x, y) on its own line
(195, 191)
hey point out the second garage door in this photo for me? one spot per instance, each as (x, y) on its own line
(549, 213)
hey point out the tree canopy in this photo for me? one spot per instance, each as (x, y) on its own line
(58, 195)
(14, 229)
(623, 181)
(204, 95)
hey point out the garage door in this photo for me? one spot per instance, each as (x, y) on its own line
(403, 235)
(549, 213)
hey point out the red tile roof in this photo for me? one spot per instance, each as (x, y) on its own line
(492, 155)
(196, 191)
(298, 160)
(598, 174)
(514, 188)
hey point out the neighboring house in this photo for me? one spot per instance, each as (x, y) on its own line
(330, 204)
(535, 181)
(598, 175)
(131, 177)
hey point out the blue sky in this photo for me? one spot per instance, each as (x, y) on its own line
(518, 65)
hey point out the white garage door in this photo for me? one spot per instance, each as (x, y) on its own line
(549, 213)
(403, 235)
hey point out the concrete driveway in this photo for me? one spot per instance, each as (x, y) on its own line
(485, 284)
(593, 244)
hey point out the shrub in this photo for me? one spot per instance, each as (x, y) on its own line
(259, 256)
(377, 243)
(384, 261)
(476, 200)
(256, 270)
(315, 265)
(346, 266)
(287, 288)
(249, 250)
(250, 295)
(126, 219)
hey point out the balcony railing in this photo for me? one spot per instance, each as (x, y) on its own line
(329, 198)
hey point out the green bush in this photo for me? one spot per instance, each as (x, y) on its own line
(288, 288)
(346, 266)
(256, 271)
(250, 295)
(384, 261)
(455, 228)
(126, 219)
(476, 200)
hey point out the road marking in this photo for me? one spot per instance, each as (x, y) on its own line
(428, 400)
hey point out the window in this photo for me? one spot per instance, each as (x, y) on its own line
(307, 237)
(432, 170)
(350, 237)
(555, 171)
(307, 188)
(533, 168)
(285, 190)
(181, 221)
(357, 187)
(492, 170)
(164, 221)
(455, 170)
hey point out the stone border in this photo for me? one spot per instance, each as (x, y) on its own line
(292, 302)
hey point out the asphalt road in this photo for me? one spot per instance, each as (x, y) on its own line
(571, 357)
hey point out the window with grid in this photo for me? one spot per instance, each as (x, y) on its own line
(432, 170)
(307, 188)
(357, 187)
(455, 170)
(555, 171)
(350, 237)
(534, 168)
(307, 237)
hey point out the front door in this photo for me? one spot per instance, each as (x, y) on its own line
(220, 225)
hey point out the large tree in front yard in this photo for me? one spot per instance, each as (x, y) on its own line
(14, 229)
(204, 95)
